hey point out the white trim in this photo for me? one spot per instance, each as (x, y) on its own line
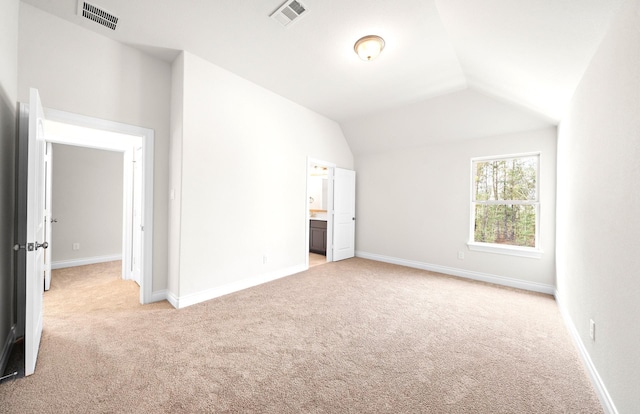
(61, 264)
(198, 297)
(505, 249)
(91, 122)
(601, 390)
(172, 299)
(159, 295)
(507, 156)
(467, 274)
(507, 202)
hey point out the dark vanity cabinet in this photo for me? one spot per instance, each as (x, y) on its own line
(318, 236)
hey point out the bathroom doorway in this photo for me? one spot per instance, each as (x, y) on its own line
(319, 212)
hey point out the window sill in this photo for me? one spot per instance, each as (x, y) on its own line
(505, 249)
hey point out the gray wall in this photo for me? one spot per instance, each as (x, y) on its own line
(598, 209)
(87, 202)
(8, 108)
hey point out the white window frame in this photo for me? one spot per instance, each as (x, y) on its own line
(532, 252)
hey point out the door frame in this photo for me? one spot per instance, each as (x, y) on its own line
(147, 137)
(330, 170)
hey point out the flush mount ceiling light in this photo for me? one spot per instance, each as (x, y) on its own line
(369, 47)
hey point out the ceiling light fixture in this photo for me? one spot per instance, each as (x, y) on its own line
(369, 47)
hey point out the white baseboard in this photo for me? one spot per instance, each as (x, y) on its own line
(172, 299)
(193, 298)
(61, 264)
(159, 295)
(468, 274)
(605, 399)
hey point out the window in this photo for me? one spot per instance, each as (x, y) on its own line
(505, 205)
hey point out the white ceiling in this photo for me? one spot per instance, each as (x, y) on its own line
(529, 53)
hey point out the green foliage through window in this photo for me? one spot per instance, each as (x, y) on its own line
(505, 201)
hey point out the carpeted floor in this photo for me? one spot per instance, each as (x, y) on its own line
(355, 336)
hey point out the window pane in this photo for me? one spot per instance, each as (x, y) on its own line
(508, 179)
(506, 224)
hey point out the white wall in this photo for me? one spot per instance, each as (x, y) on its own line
(175, 168)
(8, 107)
(244, 177)
(79, 71)
(414, 205)
(598, 209)
(87, 202)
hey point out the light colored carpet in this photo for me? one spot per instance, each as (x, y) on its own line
(349, 337)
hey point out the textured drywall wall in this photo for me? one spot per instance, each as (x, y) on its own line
(598, 205)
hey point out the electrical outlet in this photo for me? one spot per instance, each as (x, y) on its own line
(592, 329)
(76, 246)
(461, 255)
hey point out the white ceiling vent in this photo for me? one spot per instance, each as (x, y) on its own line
(97, 14)
(290, 12)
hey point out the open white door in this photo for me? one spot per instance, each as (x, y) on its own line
(344, 208)
(36, 243)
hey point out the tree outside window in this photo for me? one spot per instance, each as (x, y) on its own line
(505, 201)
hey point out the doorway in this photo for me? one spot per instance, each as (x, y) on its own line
(89, 206)
(32, 216)
(136, 146)
(331, 200)
(319, 212)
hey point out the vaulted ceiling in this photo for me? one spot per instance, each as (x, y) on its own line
(507, 58)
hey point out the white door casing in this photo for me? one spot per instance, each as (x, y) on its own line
(145, 259)
(48, 214)
(35, 232)
(344, 208)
